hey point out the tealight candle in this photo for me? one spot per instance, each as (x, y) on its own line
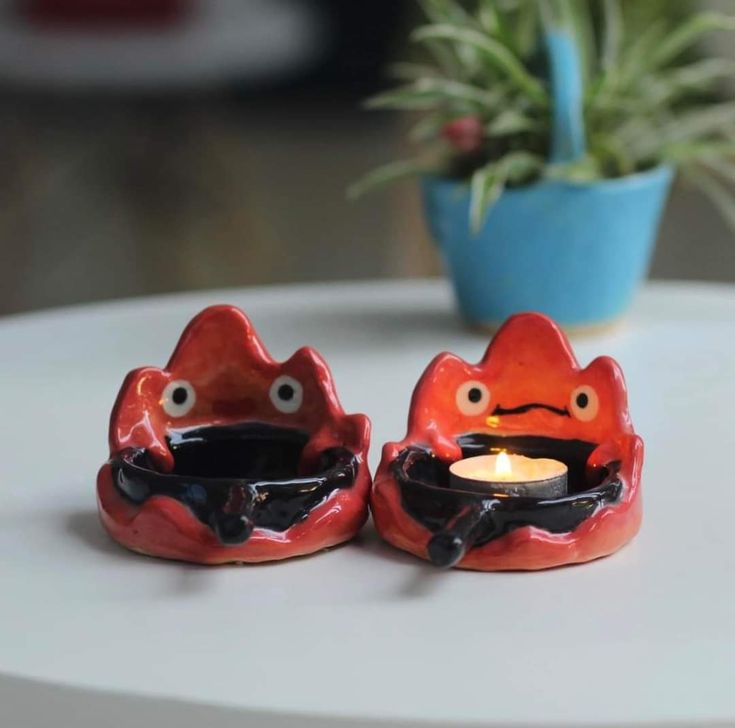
(510, 475)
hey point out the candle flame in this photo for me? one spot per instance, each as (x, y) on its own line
(503, 466)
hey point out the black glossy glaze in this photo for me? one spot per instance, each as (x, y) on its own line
(522, 409)
(461, 519)
(237, 478)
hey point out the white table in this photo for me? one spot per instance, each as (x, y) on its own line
(92, 636)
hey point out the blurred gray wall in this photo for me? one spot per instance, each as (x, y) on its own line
(109, 195)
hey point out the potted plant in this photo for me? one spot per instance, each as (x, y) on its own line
(551, 131)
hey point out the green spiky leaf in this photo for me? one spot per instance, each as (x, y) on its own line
(485, 188)
(651, 97)
(386, 174)
(497, 55)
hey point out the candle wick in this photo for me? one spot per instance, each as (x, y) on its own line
(503, 465)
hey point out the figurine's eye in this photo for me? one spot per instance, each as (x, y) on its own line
(584, 403)
(473, 398)
(286, 394)
(178, 398)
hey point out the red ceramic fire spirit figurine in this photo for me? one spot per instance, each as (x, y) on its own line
(228, 456)
(559, 477)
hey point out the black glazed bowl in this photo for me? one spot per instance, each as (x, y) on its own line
(462, 519)
(237, 478)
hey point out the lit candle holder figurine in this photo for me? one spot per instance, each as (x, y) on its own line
(511, 475)
(523, 460)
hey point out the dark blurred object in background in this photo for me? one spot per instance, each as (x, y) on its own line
(104, 14)
(164, 145)
(105, 45)
(363, 40)
(134, 45)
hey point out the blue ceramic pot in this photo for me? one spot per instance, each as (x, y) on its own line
(576, 252)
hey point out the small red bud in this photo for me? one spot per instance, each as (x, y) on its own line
(464, 133)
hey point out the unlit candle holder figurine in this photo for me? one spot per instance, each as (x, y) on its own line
(527, 398)
(226, 455)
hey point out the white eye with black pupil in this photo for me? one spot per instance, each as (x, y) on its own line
(178, 398)
(584, 403)
(473, 398)
(287, 394)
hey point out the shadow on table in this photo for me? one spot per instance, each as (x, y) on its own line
(85, 526)
(421, 577)
(188, 579)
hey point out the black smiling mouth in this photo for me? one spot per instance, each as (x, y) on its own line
(522, 409)
(460, 520)
(237, 478)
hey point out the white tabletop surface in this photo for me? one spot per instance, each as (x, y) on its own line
(92, 636)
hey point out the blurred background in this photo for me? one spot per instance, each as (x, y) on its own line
(163, 145)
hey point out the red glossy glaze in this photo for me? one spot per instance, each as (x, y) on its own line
(529, 361)
(221, 357)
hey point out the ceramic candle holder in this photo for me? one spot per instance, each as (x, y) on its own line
(527, 396)
(226, 455)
